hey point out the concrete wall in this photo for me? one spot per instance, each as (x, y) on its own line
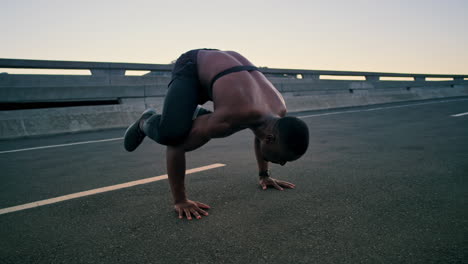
(135, 93)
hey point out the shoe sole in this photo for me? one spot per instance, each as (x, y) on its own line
(127, 147)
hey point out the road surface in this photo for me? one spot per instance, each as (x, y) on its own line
(379, 184)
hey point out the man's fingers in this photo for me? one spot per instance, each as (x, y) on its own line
(187, 214)
(181, 214)
(286, 184)
(195, 213)
(203, 212)
(277, 186)
(202, 205)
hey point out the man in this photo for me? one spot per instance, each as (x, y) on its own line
(242, 98)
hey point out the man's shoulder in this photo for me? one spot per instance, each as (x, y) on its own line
(240, 117)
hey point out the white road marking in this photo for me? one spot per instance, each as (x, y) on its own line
(380, 108)
(461, 114)
(61, 145)
(101, 190)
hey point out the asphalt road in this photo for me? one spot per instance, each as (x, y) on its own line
(386, 185)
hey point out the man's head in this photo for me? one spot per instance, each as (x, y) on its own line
(287, 142)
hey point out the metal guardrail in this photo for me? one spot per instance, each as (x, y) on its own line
(117, 68)
(81, 65)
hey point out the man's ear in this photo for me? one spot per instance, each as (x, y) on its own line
(270, 139)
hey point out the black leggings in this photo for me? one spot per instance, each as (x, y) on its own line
(183, 96)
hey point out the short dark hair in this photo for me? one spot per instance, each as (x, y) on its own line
(293, 133)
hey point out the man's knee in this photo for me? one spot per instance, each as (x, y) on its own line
(171, 139)
(167, 134)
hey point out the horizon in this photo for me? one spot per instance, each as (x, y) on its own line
(365, 36)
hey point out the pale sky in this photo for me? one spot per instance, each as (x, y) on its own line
(410, 36)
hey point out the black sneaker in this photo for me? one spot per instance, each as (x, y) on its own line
(134, 136)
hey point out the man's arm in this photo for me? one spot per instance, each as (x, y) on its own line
(175, 158)
(262, 164)
(202, 130)
(264, 174)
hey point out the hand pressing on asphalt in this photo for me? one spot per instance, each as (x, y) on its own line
(190, 208)
(268, 181)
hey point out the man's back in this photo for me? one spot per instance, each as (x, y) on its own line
(243, 97)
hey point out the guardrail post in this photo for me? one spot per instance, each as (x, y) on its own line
(372, 78)
(158, 73)
(310, 76)
(104, 72)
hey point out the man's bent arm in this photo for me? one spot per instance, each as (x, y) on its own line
(175, 159)
(175, 162)
(262, 164)
(265, 179)
(176, 172)
(204, 127)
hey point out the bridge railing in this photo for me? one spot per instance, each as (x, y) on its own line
(115, 68)
(46, 104)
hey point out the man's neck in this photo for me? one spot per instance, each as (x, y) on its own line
(265, 127)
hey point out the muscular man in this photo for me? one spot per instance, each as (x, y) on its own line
(242, 98)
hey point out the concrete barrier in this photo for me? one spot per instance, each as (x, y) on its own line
(55, 104)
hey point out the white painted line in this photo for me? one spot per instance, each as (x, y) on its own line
(101, 190)
(380, 108)
(461, 114)
(61, 145)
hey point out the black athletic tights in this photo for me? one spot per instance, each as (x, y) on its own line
(183, 96)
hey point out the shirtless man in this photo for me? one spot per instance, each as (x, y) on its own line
(242, 98)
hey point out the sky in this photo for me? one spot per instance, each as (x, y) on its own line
(407, 36)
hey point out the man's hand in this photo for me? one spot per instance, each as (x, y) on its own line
(191, 207)
(268, 181)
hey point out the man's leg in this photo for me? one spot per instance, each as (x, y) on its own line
(175, 122)
(134, 134)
